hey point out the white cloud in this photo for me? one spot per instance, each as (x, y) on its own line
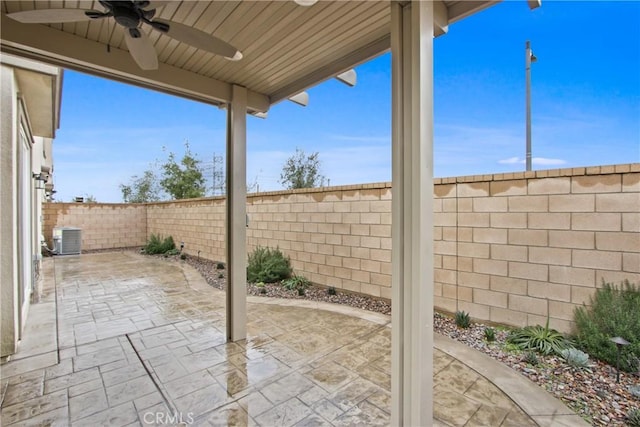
(510, 161)
(541, 161)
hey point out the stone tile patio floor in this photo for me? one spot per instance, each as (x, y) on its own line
(119, 339)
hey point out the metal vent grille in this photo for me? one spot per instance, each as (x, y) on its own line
(67, 240)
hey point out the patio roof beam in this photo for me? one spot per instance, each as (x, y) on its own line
(236, 210)
(412, 32)
(332, 69)
(55, 47)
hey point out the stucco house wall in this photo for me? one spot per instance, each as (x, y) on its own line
(29, 113)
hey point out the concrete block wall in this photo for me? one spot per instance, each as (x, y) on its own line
(199, 223)
(514, 248)
(509, 248)
(338, 237)
(104, 226)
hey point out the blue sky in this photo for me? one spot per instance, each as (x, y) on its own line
(585, 108)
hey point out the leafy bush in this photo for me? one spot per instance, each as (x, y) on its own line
(268, 265)
(489, 334)
(219, 266)
(156, 245)
(462, 319)
(633, 417)
(613, 312)
(331, 291)
(575, 357)
(299, 283)
(538, 338)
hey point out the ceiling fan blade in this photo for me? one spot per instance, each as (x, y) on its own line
(52, 16)
(201, 40)
(142, 51)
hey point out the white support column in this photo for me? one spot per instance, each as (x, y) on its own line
(412, 32)
(236, 215)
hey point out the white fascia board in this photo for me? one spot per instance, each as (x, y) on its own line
(56, 47)
(26, 64)
(463, 9)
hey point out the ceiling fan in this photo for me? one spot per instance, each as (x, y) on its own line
(131, 15)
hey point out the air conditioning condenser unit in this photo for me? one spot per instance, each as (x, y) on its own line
(67, 240)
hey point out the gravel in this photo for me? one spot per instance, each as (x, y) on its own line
(591, 392)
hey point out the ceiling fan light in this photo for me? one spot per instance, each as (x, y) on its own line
(306, 3)
(236, 57)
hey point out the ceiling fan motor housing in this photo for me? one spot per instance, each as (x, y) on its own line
(126, 15)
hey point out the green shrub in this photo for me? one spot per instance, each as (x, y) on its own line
(489, 334)
(268, 265)
(462, 319)
(538, 338)
(183, 256)
(613, 312)
(331, 291)
(633, 417)
(299, 283)
(156, 245)
(219, 266)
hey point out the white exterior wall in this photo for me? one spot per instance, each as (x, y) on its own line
(9, 322)
(21, 156)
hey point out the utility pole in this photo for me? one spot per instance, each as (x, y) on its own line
(529, 58)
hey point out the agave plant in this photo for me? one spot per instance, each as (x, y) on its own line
(462, 319)
(489, 334)
(633, 417)
(575, 357)
(530, 358)
(299, 283)
(538, 338)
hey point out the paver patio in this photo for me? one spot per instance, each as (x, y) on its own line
(122, 339)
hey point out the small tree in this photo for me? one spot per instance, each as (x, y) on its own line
(141, 189)
(302, 171)
(184, 180)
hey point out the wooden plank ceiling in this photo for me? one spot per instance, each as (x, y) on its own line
(286, 47)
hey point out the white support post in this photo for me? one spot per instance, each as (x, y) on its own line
(236, 215)
(412, 32)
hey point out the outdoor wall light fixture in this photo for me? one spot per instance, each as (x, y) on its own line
(40, 180)
(181, 246)
(619, 342)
